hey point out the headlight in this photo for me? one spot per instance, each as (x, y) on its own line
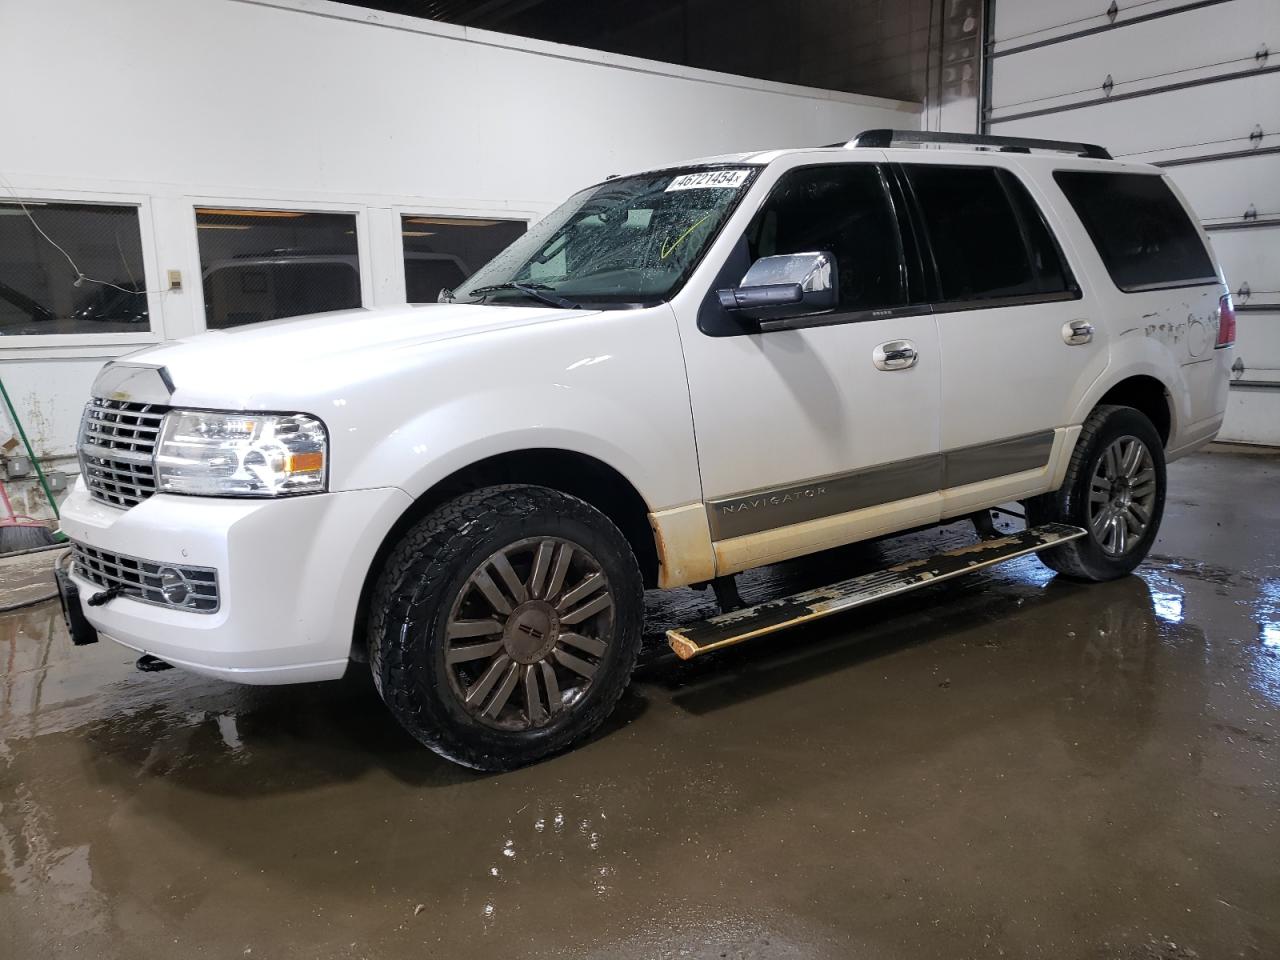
(241, 454)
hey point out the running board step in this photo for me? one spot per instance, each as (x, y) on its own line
(774, 615)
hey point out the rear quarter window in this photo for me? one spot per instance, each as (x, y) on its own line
(1141, 230)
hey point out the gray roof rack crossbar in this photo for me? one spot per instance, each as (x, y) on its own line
(891, 138)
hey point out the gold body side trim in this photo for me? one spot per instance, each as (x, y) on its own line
(759, 510)
(735, 554)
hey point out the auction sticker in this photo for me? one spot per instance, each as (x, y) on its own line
(708, 178)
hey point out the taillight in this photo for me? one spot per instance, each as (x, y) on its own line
(1226, 321)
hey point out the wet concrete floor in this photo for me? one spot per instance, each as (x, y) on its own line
(1005, 765)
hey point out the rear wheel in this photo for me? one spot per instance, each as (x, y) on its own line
(1115, 489)
(505, 625)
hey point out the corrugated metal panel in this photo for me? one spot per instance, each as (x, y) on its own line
(1224, 190)
(1252, 262)
(1192, 84)
(1157, 126)
(1036, 24)
(1151, 55)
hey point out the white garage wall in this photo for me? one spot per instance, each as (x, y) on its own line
(1195, 87)
(317, 105)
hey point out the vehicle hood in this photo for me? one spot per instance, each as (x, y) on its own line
(241, 367)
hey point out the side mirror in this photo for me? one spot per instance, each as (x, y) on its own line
(789, 285)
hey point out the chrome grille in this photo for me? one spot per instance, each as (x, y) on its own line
(142, 579)
(117, 439)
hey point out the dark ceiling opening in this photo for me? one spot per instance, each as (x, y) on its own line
(874, 47)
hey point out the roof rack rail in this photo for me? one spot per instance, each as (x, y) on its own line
(891, 138)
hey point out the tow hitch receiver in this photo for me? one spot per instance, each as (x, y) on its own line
(774, 615)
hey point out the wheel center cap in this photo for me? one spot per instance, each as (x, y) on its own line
(1121, 493)
(531, 631)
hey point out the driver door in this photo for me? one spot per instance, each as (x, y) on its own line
(806, 439)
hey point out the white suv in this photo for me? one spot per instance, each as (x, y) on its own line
(676, 376)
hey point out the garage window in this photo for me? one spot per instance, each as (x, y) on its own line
(266, 264)
(38, 290)
(441, 252)
(1142, 232)
(988, 237)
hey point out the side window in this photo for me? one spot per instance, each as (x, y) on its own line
(843, 209)
(1050, 268)
(441, 252)
(260, 265)
(988, 238)
(39, 293)
(1142, 232)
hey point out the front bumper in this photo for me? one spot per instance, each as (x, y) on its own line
(289, 571)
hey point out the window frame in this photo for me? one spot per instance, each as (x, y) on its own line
(397, 285)
(932, 279)
(364, 256)
(1196, 225)
(904, 285)
(93, 344)
(725, 324)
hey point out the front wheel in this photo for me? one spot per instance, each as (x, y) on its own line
(505, 625)
(1115, 489)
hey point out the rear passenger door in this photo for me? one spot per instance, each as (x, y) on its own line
(1005, 301)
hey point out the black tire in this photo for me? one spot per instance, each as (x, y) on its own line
(1090, 557)
(428, 578)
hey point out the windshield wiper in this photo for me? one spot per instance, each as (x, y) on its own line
(535, 290)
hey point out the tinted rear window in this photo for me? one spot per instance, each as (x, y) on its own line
(988, 238)
(1141, 231)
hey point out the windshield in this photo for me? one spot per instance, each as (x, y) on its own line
(631, 240)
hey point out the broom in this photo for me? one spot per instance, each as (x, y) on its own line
(23, 533)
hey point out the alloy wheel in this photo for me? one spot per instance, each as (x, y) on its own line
(527, 633)
(1122, 495)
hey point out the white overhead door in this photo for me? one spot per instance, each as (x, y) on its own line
(1190, 85)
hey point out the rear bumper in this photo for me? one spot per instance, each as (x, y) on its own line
(1199, 415)
(289, 575)
(1194, 436)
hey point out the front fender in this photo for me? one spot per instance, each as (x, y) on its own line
(611, 386)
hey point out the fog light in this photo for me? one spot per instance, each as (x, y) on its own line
(173, 586)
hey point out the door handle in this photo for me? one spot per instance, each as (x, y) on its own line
(1077, 332)
(895, 355)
